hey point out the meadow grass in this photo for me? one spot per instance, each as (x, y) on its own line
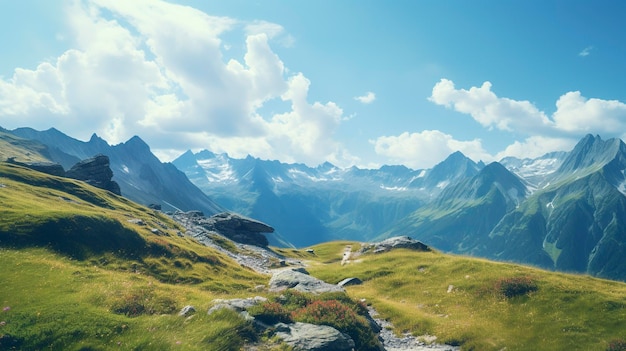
(78, 275)
(463, 300)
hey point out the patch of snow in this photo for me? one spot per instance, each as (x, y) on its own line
(393, 188)
(443, 184)
(217, 171)
(125, 169)
(422, 174)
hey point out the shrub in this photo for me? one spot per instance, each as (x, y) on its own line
(270, 313)
(136, 302)
(516, 286)
(617, 345)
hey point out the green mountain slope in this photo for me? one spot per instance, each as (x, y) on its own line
(463, 214)
(84, 269)
(478, 304)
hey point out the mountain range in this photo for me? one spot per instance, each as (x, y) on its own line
(564, 211)
(140, 174)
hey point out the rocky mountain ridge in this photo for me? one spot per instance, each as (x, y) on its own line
(140, 174)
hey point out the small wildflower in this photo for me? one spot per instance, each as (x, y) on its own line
(179, 342)
(6, 308)
(3, 323)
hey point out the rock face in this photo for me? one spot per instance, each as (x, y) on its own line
(231, 225)
(290, 279)
(44, 167)
(311, 337)
(95, 171)
(397, 242)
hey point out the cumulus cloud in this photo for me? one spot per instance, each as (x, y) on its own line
(427, 148)
(368, 98)
(536, 146)
(577, 114)
(490, 110)
(157, 70)
(574, 117)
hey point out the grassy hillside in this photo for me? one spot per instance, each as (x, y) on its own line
(23, 150)
(84, 269)
(478, 304)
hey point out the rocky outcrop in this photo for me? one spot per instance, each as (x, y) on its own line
(397, 242)
(291, 279)
(231, 225)
(95, 171)
(51, 168)
(311, 337)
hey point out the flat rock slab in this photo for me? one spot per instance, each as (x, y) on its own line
(290, 279)
(311, 337)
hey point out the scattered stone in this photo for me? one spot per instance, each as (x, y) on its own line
(231, 225)
(450, 288)
(237, 305)
(290, 279)
(137, 221)
(350, 281)
(155, 231)
(398, 242)
(311, 251)
(311, 337)
(187, 311)
(156, 207)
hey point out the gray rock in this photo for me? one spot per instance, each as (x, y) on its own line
(231, 225)
(95, 171)
(187, 311)
(311, 337)
(44, 167)
(290, 279)
(350, 281)
(397, 242)
(237, 305)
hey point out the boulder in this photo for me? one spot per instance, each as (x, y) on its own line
(95, 171)
(311, 337)
(187, 311)
(231, 225)
(237, 305)
(290, 279)
(397, 242)
(350, 281)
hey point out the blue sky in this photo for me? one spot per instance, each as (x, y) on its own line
(360, 83)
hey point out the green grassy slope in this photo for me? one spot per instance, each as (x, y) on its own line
(23, 150)
(545, 310)
(77, 274)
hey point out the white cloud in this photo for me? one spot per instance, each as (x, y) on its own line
(490, 110)
(577, 114)
(427, 148)
(574, 117)
(368, 98)
(157, 70)
(536, 146)
(586, 51)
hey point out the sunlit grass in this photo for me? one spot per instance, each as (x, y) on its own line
(565, 312)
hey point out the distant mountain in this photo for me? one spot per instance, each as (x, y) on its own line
(563, 211)
(141, 176)
(462, 216)
(311, 205)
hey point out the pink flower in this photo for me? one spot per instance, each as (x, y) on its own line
(6, 308)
